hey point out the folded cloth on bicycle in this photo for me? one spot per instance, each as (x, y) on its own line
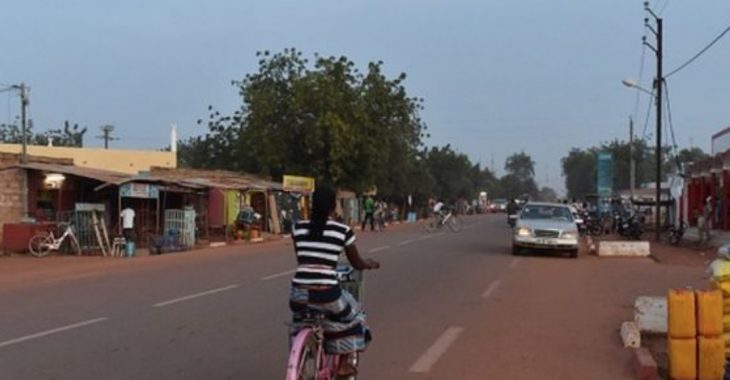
(344, 328)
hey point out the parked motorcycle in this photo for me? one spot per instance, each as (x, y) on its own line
(631, 227)
(593, 225)
(676, 233)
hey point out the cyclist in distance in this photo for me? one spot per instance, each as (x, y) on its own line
(438, 211)
(318, 244)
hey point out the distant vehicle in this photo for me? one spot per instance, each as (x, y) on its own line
(498, 205)
(545, 226)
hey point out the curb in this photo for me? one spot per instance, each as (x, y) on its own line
(645, 367)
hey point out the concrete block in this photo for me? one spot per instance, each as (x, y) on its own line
(650, 314)
(624, 249)
(645, 367)
(630, 335)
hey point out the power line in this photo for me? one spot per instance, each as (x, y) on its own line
(671, 129)
(700, 53)
(666, 2)
(641, 75)
(646, 121)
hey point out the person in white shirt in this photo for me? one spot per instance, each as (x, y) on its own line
(127, 216)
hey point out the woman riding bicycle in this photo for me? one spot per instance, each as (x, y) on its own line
(318, 244)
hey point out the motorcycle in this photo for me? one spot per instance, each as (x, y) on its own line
(676, 233)
(593, 225)
(630, 227)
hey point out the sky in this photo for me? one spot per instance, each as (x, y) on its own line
(497, 76)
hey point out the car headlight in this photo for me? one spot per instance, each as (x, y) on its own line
(570, 235)
(522, 231)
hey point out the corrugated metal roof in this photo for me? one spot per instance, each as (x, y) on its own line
(105, 176)
(219, 179)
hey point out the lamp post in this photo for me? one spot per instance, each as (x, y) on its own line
(632, 84)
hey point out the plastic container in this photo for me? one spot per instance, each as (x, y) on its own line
(130, 248)
(711, 364)
(709, 313)
(682, 359)
(681, 310)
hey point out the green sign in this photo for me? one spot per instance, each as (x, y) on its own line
(604, 177)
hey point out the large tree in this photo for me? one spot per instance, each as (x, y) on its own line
(519, 180)
(579, 170)
(323, 118)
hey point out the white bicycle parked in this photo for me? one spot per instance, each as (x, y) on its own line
(44, 242)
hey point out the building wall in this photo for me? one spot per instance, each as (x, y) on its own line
(118, 160)
(11, 187)
(721, 141)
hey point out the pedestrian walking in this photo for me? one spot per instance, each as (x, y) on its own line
(369, 208)
(705, 220)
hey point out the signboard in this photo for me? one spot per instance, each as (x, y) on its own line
(604, 177)
(139, 190)
(298, 184)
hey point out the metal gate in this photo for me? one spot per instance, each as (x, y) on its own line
(181, 223)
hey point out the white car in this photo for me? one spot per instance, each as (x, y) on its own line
(545, 226)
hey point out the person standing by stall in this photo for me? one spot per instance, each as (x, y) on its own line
(127, 215)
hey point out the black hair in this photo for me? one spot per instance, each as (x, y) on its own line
(324, 201)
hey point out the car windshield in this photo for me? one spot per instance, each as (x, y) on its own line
(546, 213)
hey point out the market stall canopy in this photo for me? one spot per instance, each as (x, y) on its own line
(219, 179)
(105, 176)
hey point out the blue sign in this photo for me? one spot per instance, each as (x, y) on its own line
(139, 190)
(604, 176)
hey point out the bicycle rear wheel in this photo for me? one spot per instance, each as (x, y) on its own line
(40, 245)
(430, 225)
(455, 223)
(304, 357)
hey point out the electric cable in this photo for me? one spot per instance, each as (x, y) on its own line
(671, 128)
(724, 32)
(646, 121)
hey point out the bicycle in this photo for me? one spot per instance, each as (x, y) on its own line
(307, 357)
(451, 220)
(44, 242)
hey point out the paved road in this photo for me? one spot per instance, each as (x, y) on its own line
(443, 306)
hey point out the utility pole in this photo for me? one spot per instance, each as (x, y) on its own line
(22, 90)
(24, 121)
(107, 131)
(632, 163)
(658, 83)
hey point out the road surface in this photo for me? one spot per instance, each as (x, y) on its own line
(443, 306)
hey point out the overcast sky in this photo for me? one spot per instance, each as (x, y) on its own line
(497, 76)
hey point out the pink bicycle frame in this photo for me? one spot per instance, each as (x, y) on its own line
(326, 364)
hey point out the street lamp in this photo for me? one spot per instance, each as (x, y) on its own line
(632, 84)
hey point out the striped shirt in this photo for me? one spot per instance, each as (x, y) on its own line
(317, 257)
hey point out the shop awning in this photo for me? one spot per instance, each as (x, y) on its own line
(104, 176)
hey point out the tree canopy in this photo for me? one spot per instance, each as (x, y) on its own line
(579, 166)
(68, 135)
(355, 129)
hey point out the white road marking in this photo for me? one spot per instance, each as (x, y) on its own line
(406, 242)
(52, 331)
(196, 295)
(277, 275)
(492, 287)
(514, 263)
(378, 249)
(438, 349)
